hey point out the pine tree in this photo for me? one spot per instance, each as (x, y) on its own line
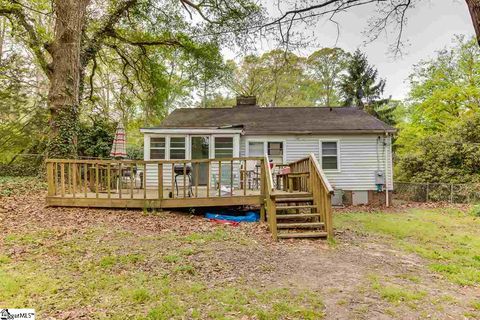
(360, 87)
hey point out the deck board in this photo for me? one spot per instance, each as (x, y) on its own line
(150, 199)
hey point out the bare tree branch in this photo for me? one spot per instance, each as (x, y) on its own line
(96, 41)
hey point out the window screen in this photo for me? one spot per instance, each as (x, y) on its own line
(223, 147)
(177, 148)
(330, 155)
(275, 151)
(157, 148)
(255, 149)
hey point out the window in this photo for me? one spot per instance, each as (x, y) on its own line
(329, 155)
(255, 149)
(157, 148)
(177, 148)
(275, 151)
(223, 147)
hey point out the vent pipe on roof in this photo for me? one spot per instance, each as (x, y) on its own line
(245, 101)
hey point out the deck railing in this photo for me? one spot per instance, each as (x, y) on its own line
(186, 183)
(155, 179)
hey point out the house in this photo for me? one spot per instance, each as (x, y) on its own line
(353, 148)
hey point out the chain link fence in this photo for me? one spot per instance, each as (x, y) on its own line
(437, 192)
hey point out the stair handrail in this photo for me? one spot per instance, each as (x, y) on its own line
(322, 196)
(322, 175)
(269, 202)
(268, 172)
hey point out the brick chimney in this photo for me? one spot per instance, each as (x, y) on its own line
(246, 101)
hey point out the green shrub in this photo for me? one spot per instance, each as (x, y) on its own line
(475, 210)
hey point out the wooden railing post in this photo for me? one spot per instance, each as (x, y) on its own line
(160, 181)
(144, 180)
(108, 181)
(262, 191)
(50, 179)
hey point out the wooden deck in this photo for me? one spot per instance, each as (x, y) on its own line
(149, 199)
(246, 181)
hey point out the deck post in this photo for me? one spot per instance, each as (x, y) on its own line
(96, 180)
(108, 181)
(144, 180)
(50, 179)
(62, 179)
(219, 178)
(263, 191)
(160, 181)
(74, 179)
(85, 179)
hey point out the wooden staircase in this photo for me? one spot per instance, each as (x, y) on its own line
(298, 217)
(301, 209)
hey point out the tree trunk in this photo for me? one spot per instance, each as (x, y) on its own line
(64, 92)
(474, 7)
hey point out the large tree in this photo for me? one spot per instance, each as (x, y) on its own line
(325, 67)
(83, 28)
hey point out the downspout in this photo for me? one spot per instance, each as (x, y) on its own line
(387, 200)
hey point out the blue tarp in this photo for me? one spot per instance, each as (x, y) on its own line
(250, 216)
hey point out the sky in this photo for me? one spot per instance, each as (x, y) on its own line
(431, 26)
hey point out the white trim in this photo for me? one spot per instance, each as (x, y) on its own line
(175, 131)
(188, 143)
(339, 161)
(265, 146)
(186, 146)
(150, 144)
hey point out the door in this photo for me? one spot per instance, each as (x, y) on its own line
(200, 150)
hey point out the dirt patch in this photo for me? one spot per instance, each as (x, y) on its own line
(359, 277)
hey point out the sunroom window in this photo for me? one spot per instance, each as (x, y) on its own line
(157, 148)
(223, 147)
(177, 148)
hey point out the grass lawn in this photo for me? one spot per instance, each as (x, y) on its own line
(79, 263)
(448, 238)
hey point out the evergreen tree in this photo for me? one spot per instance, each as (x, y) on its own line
(361, 87)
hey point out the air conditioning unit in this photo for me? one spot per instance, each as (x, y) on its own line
(337, 197)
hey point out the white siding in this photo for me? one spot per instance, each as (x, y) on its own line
(360, 157)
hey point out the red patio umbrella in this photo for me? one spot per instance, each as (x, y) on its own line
(119, 143)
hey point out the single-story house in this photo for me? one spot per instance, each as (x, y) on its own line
(353, 147)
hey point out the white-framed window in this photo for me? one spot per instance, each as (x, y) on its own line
(157, 148)
(330, 155)
(223, 147)
(275, 151)
(274, 148)
(178, 148)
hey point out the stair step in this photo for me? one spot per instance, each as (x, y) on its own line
(318, 234)
(300, 225)
(295, 207)
(293, 195)
(298, 216)
(301, 199)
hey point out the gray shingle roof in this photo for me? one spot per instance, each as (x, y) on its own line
(284, 120)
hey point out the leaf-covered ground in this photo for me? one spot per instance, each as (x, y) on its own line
(76, 263)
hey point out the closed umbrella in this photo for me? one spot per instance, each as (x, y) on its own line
(119, 142)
